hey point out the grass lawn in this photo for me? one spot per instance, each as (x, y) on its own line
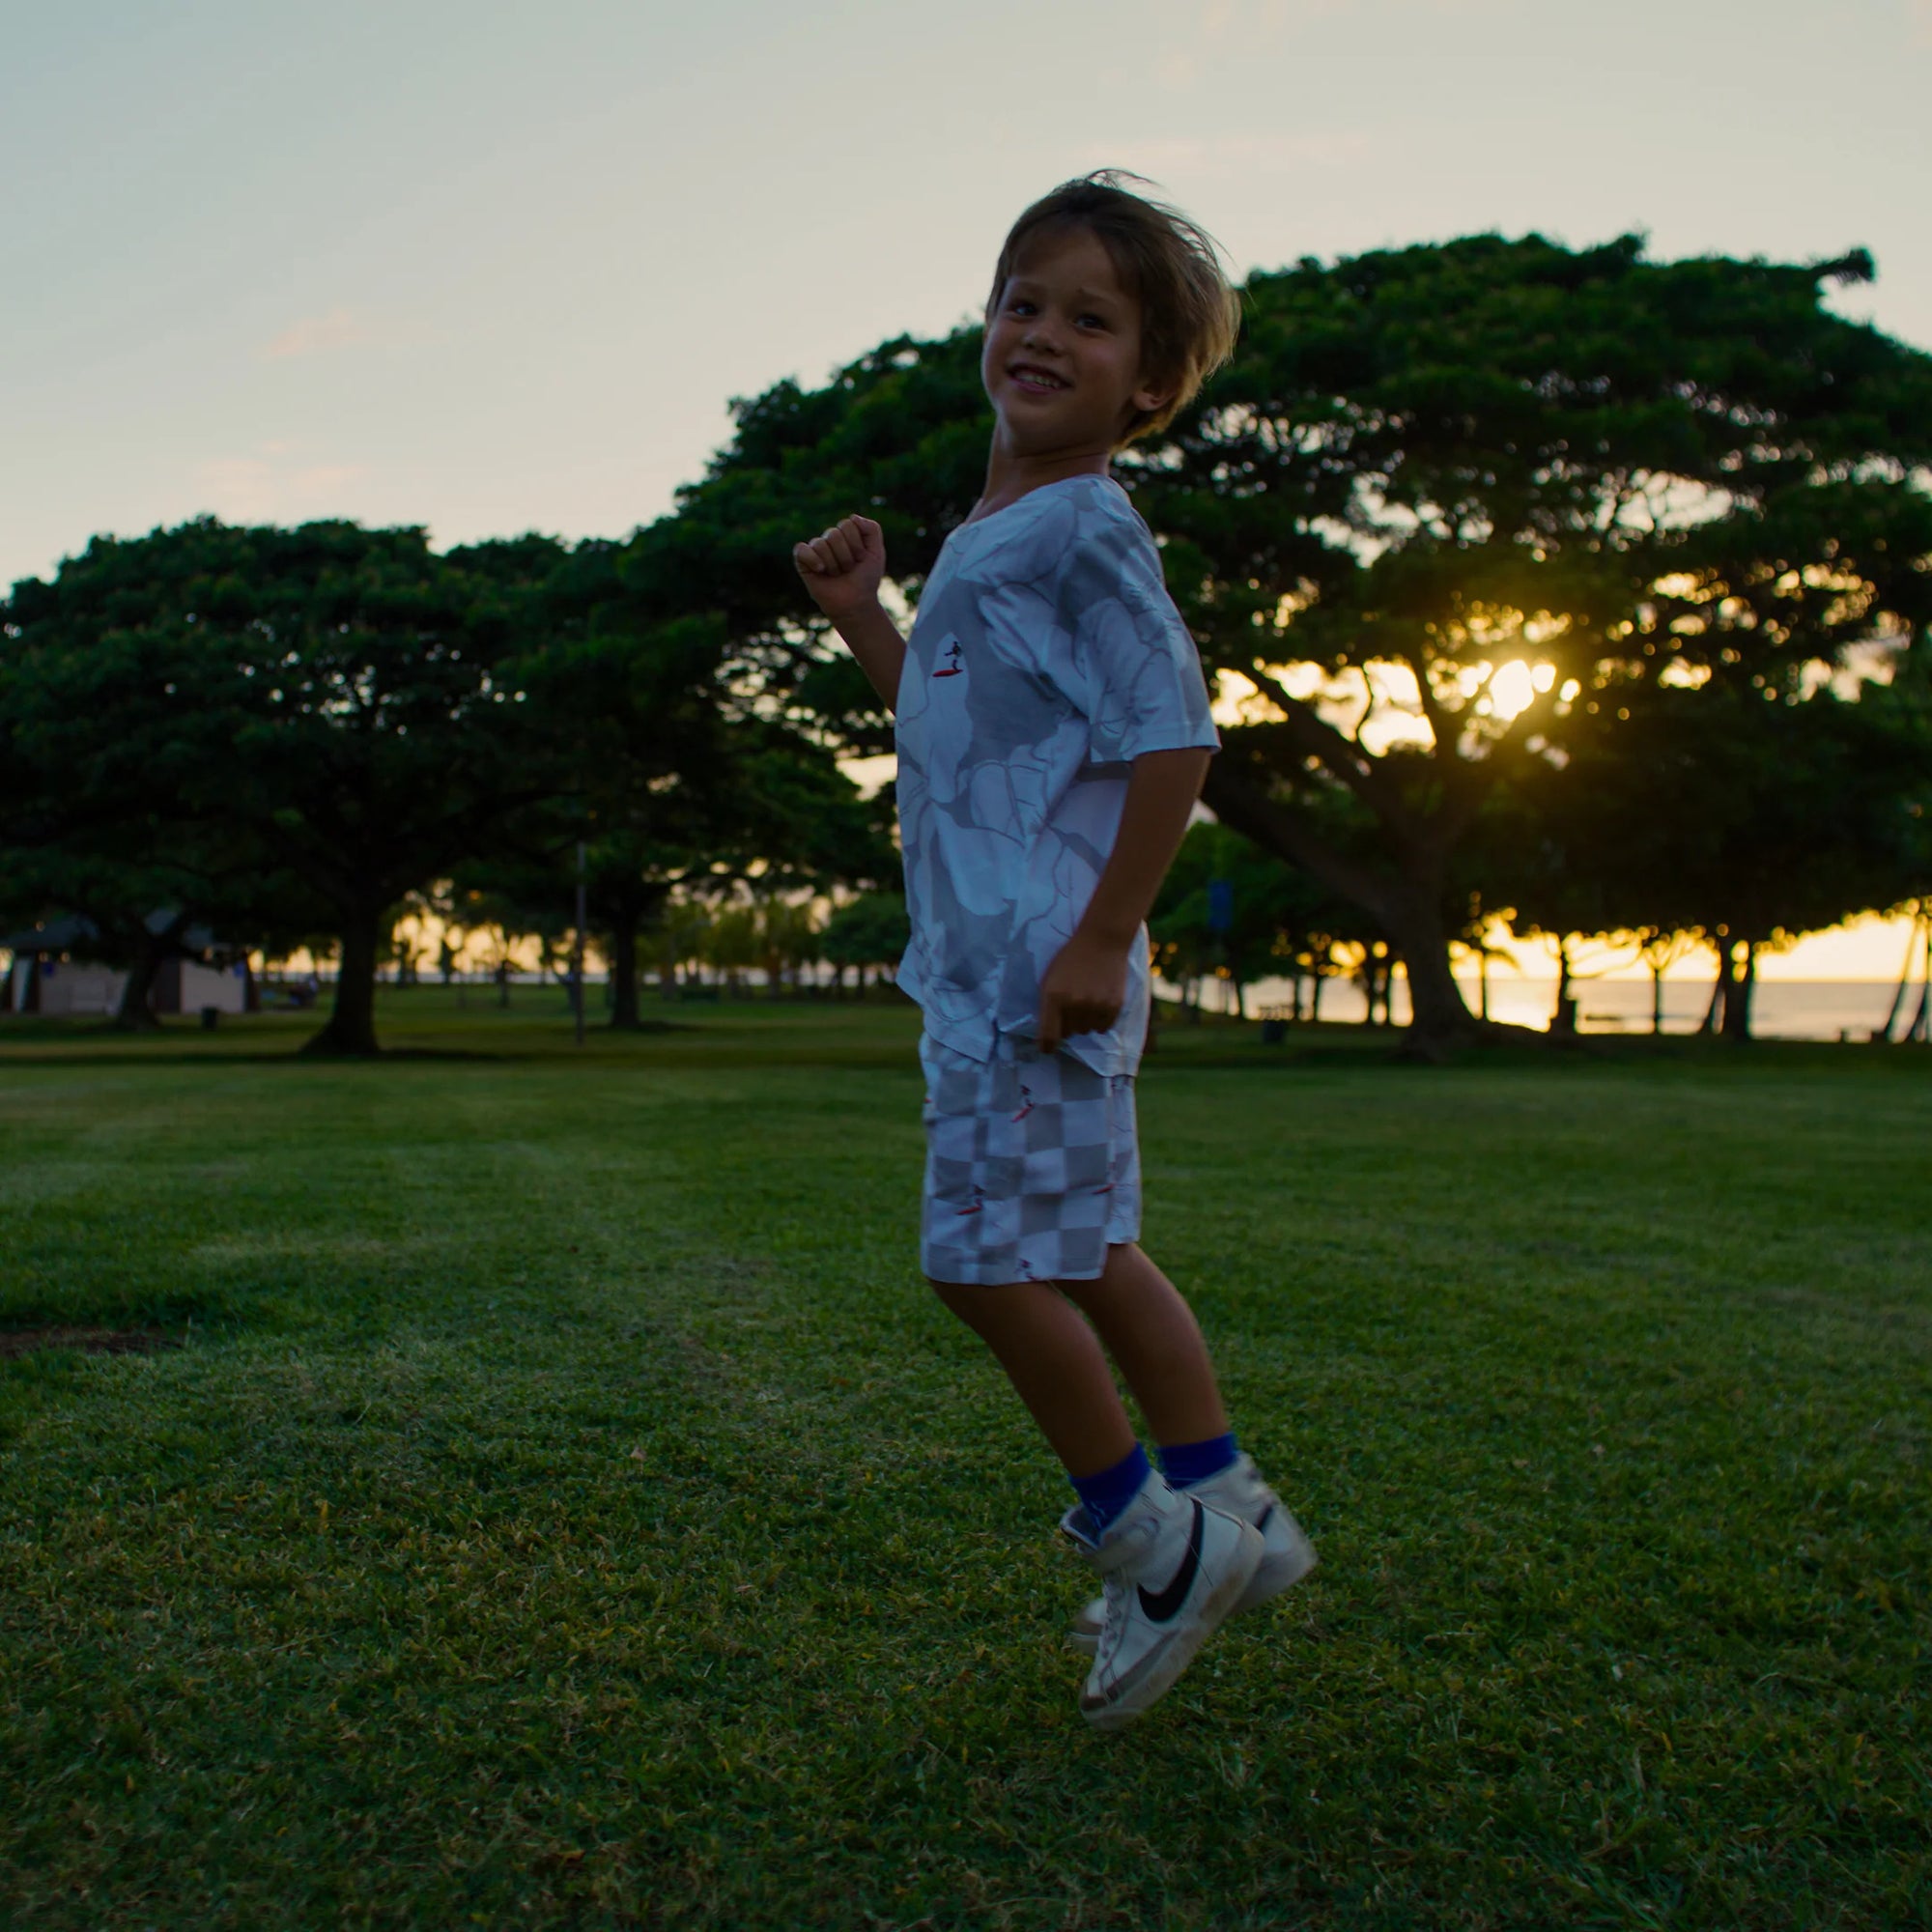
(567, 1507)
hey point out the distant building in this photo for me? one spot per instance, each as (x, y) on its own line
(53, 975)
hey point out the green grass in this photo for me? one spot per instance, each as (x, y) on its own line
(569, 1509)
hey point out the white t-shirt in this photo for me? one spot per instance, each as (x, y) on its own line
(1046, 657)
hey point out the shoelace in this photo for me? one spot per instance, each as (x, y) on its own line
(1112, 1589)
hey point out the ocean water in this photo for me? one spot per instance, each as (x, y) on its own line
(1780, 1010)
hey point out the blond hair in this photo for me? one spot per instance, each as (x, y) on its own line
(1190, 314)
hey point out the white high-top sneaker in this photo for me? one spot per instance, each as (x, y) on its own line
(1171, 1567)
(1288, 1555)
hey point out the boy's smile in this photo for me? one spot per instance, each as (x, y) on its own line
(1061, 362)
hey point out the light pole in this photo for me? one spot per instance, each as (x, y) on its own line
(576, 962)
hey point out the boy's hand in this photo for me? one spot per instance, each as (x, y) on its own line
(1083, 990)
(843, 568)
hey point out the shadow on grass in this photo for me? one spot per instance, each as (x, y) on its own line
(67, 1053)
(18, 1342)
(1238, 1046)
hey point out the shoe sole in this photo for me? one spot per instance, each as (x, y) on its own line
(1181, 1653)
(1272, 1575)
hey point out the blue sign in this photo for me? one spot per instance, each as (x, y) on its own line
(1220, 904)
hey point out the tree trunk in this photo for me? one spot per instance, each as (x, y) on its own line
(624, 1017)
(1921, 1021)
(1716, 1012)
(136, 1012)
(1440, 1019)
(1738, 995)
(351, 1031)
(1563, 1021)
(1407, 907)
(1904, 986)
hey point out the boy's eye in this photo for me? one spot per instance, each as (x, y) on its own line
(1020, 307)
(1098, 321)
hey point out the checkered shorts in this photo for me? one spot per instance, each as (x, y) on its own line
(1032, 1168)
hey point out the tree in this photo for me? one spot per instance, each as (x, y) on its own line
(97, 820)
(868, 932)
(681, 941)
(1447, 503)
(685, 772)
(789, 939)
(1453, 502)
(1281, 920)
(1746, 818)
(345, 701)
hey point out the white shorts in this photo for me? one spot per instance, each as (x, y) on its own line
(1033, 1166)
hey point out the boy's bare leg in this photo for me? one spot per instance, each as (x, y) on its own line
(1153, 1338)
(1055, 1363)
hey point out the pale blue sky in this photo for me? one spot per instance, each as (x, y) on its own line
(499, 266)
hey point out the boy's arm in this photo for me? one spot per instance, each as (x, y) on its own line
(1085, 986)
(843, 570)
(874, 639)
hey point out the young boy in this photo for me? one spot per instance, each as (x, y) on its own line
(1053, 732)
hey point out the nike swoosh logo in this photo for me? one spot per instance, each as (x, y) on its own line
(1166, 1605)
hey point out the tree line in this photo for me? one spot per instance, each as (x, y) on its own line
(1565, 587)
(735, 939)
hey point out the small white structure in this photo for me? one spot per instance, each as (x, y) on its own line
(52, 976)
(186, 987)
(62, 989)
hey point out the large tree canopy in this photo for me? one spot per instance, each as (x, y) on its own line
(1457, 501)
(345, 702)
(1448, 502)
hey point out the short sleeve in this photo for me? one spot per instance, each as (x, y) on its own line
(1136, 663)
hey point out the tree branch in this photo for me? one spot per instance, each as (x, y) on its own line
(1289, 833)
(1314, 737)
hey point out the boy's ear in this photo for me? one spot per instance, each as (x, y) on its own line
(1153, 396)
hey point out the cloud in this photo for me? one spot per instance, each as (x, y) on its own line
(315, 333)
(264, 487)
(1226, 154)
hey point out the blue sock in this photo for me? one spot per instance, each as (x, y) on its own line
(1108, 1494)
(1185, 1464)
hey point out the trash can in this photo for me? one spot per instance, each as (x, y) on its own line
(209, 1017)
(1273, 1031)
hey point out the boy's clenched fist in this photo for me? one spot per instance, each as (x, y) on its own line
(843, 568)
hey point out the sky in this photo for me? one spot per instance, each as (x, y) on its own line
(499, 266)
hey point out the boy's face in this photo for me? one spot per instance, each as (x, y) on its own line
(1062, 363)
